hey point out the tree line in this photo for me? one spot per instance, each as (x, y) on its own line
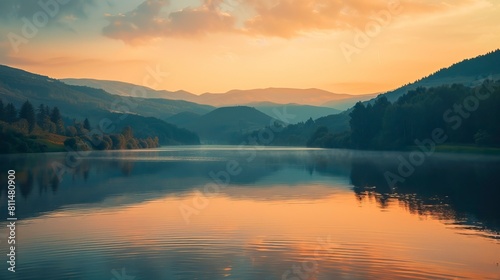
(467, 115)
(25, 119)
(32, 130)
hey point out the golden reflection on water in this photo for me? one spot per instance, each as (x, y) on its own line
(244, 229)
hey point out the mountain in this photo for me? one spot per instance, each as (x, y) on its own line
(298, 113)
(469, 72)
(183, 118)
(80, 101)
(77, 102)
(345, 104)
(313, 97)
(227, 125)
(127, 89)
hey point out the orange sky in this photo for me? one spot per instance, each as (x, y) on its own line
(219, 45)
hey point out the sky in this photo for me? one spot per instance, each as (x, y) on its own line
(355, 47)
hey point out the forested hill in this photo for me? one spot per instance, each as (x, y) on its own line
(16, 86)
(78, 103)
(455, 115)
(470, 72)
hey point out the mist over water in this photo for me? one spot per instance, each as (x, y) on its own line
(289, 212)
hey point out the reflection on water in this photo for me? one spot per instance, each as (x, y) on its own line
(289, 214)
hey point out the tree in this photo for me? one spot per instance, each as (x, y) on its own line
(80, 129)
(359, 127)
(118, 141)
(315, 140)
(27, 112)
(2, 111)
(43, 118)
(71, 131)
(128, 133)
(56, 118)
(86, 124)
(10, 113)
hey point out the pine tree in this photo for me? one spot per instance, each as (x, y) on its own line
(56, 118)
(40, 115)
(55, 115)
(43, 119)
(27, 112)
(2, 111)
(10, 113)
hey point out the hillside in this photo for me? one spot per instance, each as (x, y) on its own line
(227, 125)
(469, 72)
(345, 104)
(183, 118)
(17, 85)
(299, 113)
(75, 102)
(418, 115)
(128, 89)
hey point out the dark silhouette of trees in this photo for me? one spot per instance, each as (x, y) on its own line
(2, 111)
(27, 113)
(19, 132)
(56, 118)
(415, 115)
(318, 138)
(43, 119)
(10, 113)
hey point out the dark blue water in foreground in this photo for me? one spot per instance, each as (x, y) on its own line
(275, 213)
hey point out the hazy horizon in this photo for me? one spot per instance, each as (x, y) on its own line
(230, 90)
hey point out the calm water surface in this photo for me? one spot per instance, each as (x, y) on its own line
(284, 214)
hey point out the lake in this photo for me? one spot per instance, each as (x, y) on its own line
(221, 212)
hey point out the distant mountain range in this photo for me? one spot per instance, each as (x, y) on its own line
(312, 97)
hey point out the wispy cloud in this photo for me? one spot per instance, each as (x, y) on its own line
(275, 18)
(147, 22)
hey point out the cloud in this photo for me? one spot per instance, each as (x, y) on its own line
(274, 18)
(290, 18)
(147, 22)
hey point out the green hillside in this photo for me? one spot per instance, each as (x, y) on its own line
(77, 103)
(17, 85)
